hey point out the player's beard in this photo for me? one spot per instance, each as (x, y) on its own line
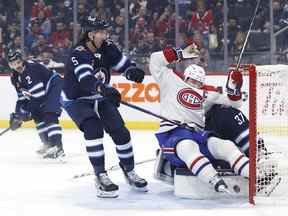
(20, 69)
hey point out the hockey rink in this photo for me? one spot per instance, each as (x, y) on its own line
(35, 187)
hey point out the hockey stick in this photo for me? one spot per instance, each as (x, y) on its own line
(153, 114)
(4, 131)
(247, 36)
(112, 168)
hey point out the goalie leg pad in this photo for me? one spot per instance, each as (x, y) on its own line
(186, 185)
(163, 170)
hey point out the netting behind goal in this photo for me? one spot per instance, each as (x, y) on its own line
(268, 126)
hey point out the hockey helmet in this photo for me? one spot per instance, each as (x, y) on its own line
(194, 75)
(94, 24)
(14, 55)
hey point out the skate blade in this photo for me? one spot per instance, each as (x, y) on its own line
(59, 159)
(107, 194)
(139, 189)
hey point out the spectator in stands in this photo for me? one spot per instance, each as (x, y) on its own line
(213, 38)
(233, 29)
(12, 31)
(39, 46)
(45, 23)
(148, 45)
(46, 58)
(162, 24)
(61, 41)
(118, 29)
(38, 6)
(218, 15)
(62, 12)
(201, 20)
(61, 37)
(33, 33)
(4, 67)
(15, 43)
(82, 12)
(239, 41)
(3, 15)
(100, 11)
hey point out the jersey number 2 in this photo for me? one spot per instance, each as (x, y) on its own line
(239, 118)
(28, 79)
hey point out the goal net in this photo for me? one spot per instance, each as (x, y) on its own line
(268, 132)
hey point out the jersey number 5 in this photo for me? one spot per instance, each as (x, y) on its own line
(74, 60)
(239, 118)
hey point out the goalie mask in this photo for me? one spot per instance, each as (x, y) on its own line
(194, 75)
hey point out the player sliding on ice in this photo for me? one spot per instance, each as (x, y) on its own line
(182, 99)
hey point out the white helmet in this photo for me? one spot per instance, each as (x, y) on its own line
(194, 75)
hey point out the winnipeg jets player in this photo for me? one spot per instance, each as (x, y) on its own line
(92, 103)
(38, 91)
(182, 100)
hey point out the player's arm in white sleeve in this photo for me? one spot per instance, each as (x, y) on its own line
(218, 98)
(159, 60)
(158, 64)
(233, 88)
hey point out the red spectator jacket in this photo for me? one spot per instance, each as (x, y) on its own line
(36, 8)
(202, 23)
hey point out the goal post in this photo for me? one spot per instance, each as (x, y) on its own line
(268, 132)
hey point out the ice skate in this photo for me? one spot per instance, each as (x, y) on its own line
(136, 182)
(42, 149)
(54, 152)
(220, 185)
(105, 187)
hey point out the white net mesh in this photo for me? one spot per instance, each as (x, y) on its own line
(272, 131)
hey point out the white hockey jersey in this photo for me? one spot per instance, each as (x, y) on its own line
(178, 100)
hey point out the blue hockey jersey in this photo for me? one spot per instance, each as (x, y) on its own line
(32, 85)
(84, 70)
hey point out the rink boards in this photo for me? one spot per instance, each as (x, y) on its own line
(145, 95)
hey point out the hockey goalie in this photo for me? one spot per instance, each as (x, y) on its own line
(189, 154)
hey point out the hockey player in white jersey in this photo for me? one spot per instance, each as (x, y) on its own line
(182, 99)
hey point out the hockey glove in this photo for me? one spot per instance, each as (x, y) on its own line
(25, 115)
(15, 121)
(134, 74)
(111, 94)
(234, 84)
(178, 54)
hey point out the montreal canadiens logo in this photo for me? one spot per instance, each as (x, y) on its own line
(190, 98)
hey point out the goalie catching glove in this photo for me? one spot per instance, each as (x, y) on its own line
(234, 84)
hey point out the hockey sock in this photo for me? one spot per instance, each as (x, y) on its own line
(42, 132)
(95, 151)
(54, 133)
(241, 166)
(121, 138)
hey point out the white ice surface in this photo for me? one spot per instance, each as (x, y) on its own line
(34, 187)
